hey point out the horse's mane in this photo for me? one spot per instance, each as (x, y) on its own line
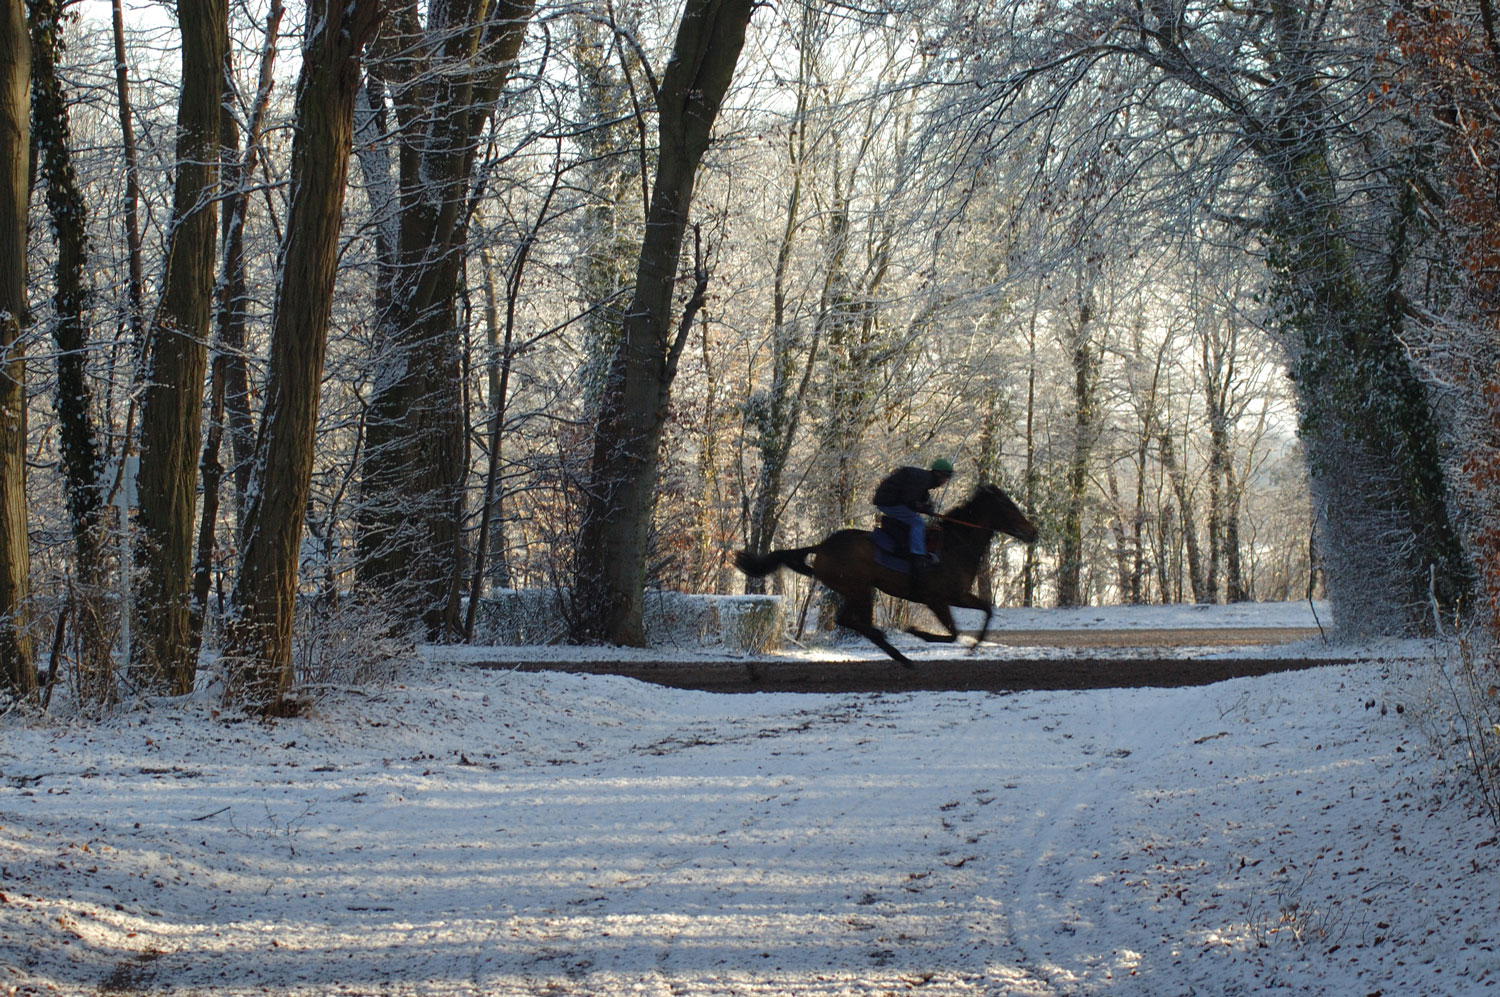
(974, 501)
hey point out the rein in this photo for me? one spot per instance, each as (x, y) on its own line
(963, 522)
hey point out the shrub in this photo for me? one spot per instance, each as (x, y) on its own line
(744, 623)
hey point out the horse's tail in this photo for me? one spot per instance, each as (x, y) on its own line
(759, 565)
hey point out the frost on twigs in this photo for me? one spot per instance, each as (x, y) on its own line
(356, 643)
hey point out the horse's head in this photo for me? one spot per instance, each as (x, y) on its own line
(991, 507)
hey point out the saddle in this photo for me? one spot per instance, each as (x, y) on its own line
(893, 546)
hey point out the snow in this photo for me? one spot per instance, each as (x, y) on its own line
(472, 831)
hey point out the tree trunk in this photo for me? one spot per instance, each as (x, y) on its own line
(259, 639)
(240, 167)
(853, 333)
(172, 401)
(1138, 524)
(16, 667)
(992, 427)
(493, 560)
(613, 170)
(229, 375)
(1371, 433)
(1124, 556)
(1168, 567)
(1178, 477)
(709, 571)
(135, 290)
(1235, 588)
(774, 416)
(491, 513)
(849, 327)
(1218, 469)
(611, 568)
(77, 439)
(212, 475)
(491, 518)
(1215, 525)
(1029, 565)
(1085, 373)
(411, 504)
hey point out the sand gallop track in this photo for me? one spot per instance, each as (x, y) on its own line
(974, 673)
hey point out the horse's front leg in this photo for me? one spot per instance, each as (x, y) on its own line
(945, 617)
(972, 601)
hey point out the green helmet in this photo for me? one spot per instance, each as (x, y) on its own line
(943, 465)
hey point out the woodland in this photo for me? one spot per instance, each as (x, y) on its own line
(374, 310)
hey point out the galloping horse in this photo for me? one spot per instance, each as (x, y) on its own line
(845, 562)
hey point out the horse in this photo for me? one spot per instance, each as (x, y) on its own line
(845, 562)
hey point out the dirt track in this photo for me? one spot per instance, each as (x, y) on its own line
(960, 672)
(1163, 637)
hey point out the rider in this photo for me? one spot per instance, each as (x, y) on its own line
(904, 496)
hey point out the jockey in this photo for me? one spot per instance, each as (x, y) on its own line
(904, 496)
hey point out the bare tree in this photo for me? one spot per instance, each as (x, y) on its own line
(135, 288)
(229, 378)
(773, 415)
(1084, 349)
(502, 339)
(78, 441)
(610, 584)
(259, 644)
(1221, 374)
(15, 140)
(1177, 474)
(1276, 97)
(441, 81)
(172, 398)
(1145, 376)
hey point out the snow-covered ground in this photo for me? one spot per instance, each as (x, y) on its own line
(467, 831)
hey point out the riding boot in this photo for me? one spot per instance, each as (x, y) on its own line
(919, 565)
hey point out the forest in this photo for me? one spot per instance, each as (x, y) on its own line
(374, 310)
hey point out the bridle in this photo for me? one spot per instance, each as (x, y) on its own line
(963, 522)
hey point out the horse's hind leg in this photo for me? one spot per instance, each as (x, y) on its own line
(875, 634)
(859, 616)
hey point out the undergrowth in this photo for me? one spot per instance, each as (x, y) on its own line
(1465, 716)
(351, 645)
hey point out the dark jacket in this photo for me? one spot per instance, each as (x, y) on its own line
(908, 486)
